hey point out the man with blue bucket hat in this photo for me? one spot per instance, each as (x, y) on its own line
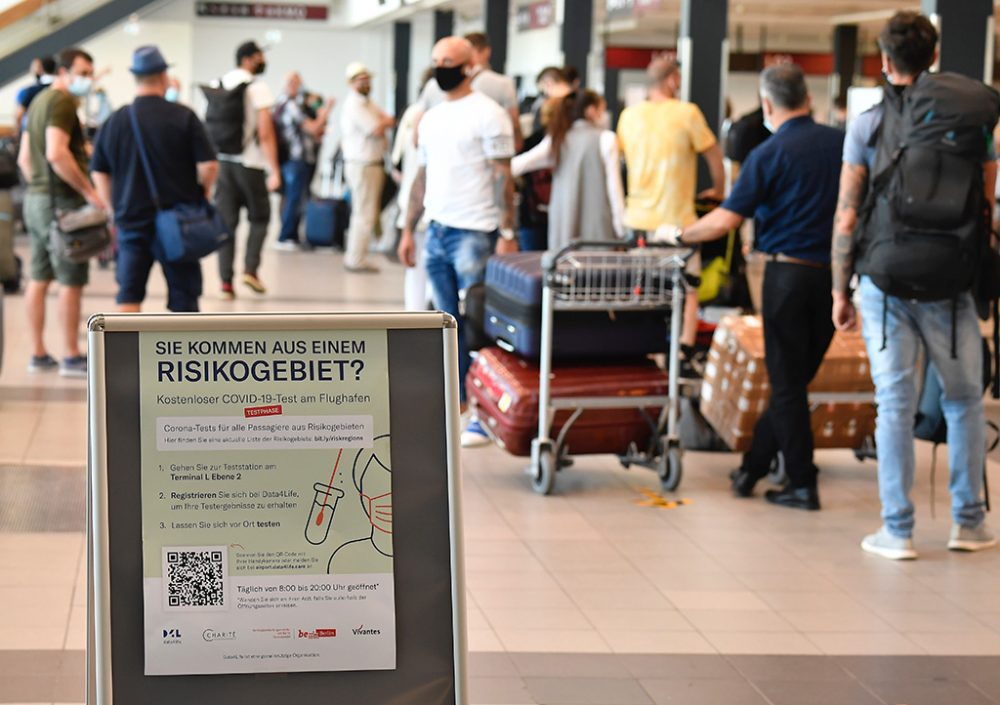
(183, 165)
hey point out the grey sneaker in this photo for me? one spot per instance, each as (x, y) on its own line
(75, 366)
(884, 544)
(976, 539)
(42, 363)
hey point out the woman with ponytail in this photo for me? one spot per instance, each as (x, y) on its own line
(587, 201)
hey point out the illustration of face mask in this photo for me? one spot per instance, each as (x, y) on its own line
(379, 511)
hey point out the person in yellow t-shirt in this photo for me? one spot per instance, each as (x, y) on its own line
(661, 139)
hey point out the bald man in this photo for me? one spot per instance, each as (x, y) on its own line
(464, 146)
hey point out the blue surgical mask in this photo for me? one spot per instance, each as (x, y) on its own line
(172, 95)
(768, 126)
(81, 85)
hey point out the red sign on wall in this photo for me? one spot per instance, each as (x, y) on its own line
(261, 10)
(537, 15)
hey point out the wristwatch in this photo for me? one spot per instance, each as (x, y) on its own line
(507, 233)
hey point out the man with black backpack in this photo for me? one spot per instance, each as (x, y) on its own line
(917, 236)
(239, 122)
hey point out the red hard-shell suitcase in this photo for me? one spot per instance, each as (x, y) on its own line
(503, 388)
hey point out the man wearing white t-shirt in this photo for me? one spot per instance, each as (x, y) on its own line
(485, 80)
(245, 177)
(465, 145)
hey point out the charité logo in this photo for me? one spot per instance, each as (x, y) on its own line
(213, 635)
(365, 631)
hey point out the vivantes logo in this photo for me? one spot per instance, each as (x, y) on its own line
(365, 631)
(213, 635)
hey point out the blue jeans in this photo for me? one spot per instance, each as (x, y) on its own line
(295, 175)
(910, 326)
(455, 259)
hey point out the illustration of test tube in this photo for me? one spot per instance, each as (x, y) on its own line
(321, 515)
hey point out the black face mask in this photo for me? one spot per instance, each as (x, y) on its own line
(260, 68)
(449, 77)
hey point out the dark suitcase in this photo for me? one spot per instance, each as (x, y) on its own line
(514, 317)
(503, 389)
(326, 222)
(473, 317)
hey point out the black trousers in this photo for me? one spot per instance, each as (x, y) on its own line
(797, 331)
(239, 187)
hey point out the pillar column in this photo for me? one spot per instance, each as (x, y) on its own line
(966, 28)
(703, 52)
(401, 33)
(845, 54)
(497, 13)
(577, 35)
(444, 24)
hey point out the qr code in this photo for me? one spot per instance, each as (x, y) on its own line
(195, 577)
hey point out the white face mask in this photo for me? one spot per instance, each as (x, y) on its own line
(604, 121)
(81, 85)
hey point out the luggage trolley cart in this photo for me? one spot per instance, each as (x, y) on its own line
(604, 276)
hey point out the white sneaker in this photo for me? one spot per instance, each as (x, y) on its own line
(286, 245)
(884, 544)
(965, 539)
(474, 436)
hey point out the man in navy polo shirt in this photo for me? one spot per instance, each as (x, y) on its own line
(789, 186)
(184, 166)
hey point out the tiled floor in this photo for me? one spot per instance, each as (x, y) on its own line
(585, 597)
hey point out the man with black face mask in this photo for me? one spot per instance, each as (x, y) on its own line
(465, 145)
(245, 178)
(363, 126)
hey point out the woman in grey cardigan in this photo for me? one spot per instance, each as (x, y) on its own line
(587, 200)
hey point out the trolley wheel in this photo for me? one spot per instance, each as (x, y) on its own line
(544, 476)
(669, 468)
(777, 474)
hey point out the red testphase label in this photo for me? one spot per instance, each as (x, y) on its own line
(252, 411)
(324, 633)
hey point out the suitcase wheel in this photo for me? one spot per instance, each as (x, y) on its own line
(543, 476)
(669, 468)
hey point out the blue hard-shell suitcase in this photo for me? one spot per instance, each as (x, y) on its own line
(326, 222)
(513, 317)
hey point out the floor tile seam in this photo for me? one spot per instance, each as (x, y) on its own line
(638, 567)
(76, 583)
(894, 633)
(852, 677)
(975, 686)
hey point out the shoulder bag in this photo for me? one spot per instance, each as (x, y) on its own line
(79, 234)
(186, 231)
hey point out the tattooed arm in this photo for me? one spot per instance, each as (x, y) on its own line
(853, 186)
(414, 212)
(505, 195)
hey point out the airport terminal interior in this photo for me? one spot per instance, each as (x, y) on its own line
(610, 590)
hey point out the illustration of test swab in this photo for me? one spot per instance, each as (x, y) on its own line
(319, 522)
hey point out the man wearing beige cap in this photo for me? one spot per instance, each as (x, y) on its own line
(363, 126)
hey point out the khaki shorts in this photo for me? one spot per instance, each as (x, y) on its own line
(45, 264)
